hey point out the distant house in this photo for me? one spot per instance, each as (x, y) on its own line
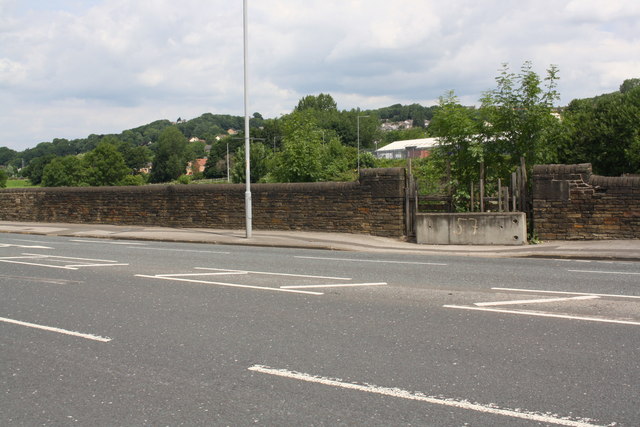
(410, 148)
(196, 166)
(196, 139)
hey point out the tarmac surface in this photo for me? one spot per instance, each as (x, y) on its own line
(628, 250)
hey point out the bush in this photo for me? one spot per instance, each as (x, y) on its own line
(184, 179)
(133, 180)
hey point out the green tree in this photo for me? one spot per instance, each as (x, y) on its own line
(170, 160)
(629, 85)
(105, 165)
(460, 152)
(136, 158)
(35, 169)
(68, 171)
(321, 102)
(300, 159)
(6, 155)
(3, 178)
(604, 131)
(259, 160)
(519, 117)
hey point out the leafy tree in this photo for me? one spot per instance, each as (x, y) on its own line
(259, 154)
(68, 171)
(399, 113)
(519, 114)
(300, 158)
(105, 165)
(3, 178)
(35, 169)
(195, 150)
(629, 85)
(136, 158)
(604, 131)
(339, 163)
(461, 152)
(216, 166)
(6, 155)
(322, 102)
(170, 160)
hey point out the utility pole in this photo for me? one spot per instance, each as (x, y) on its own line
(247, 138)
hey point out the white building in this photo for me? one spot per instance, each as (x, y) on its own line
(414, 148)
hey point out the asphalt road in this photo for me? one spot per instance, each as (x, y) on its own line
(101, 332)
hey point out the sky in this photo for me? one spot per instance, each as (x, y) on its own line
(70, 68)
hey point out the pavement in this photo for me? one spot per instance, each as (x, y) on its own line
(626, 250)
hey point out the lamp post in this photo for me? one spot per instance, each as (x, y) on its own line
(247, 138)
(358, 127)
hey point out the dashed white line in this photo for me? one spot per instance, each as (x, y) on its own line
(146, 248)
(370, 260)
(234, 273)
(605, 272)
(9, 245)
(342, 285)
(102, 242)
(58, 330)
(534, 301)
(95, 265)
(404, 394)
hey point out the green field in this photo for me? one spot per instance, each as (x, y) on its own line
(19, 183)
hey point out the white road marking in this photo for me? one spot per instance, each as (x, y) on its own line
(103, 242)
(232, 285)
(306, 276)
(72, 258)
(235, 273)
(605, 272)
(534, 301)
(41, 280)
(9, 245)
(59, 259)
(369, 260)
(9, 261)
(543, 314)
(95, 265)
(537, 291)
(404, 394)
(181, 250)
(342, 285)
(58, 330)
(30, 241)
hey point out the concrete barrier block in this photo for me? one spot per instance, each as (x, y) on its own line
(490, 228)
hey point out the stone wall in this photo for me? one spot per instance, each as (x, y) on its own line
(570, 203)
(372, 205)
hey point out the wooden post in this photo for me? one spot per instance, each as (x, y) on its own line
(481, 195)
(514, 192)
(471, 201)
(499, 195)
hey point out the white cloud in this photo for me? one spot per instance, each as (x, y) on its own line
(69, 68)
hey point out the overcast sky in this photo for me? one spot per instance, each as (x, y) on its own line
(69, 68)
